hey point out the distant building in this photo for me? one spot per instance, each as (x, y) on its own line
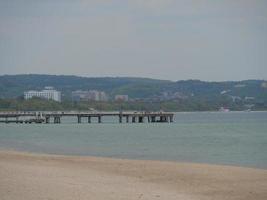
(249, 98)
(91, 95)
(240, 85)
(121, 97)
(48, 93)
(264, 85)
(236, 98)
(103, 96)
(225, 91)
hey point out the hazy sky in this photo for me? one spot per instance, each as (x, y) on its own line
(166, 39)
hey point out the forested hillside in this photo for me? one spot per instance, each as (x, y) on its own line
(179, 95)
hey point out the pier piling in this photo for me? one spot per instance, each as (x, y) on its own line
(79, 119)
(99, 119)
(47, 120)
(140, 119)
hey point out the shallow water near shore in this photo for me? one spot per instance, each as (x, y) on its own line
(232, 138)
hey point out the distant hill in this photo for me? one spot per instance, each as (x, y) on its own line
(13, 86)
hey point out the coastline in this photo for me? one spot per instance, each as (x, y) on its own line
(40, 176)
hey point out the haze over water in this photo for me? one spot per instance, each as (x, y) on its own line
(233, 138)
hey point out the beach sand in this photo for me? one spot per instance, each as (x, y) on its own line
(50, 177)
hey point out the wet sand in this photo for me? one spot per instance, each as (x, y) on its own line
(50, 177)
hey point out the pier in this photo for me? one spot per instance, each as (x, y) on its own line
(55, 117)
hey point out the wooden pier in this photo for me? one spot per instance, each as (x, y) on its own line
(55, 117)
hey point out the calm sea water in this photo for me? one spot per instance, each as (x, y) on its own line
(233, 138)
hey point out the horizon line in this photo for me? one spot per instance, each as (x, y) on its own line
(138, 77)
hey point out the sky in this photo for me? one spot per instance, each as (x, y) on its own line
(212, 40)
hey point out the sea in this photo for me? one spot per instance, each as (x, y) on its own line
(227, 138)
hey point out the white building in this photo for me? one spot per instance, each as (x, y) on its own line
(48, 93)
(121, 97)
(103, 96)
(91, 95)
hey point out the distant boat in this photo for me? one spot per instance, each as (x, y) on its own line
(222, 109)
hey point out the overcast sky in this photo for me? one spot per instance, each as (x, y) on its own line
(166, 39)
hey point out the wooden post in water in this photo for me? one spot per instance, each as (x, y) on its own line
(89, 119)
(59, 120)
(120, 116)
(79, 119)
(99, 119)
(165, 119)
(171, 118)
(56, 120)
(47, 119)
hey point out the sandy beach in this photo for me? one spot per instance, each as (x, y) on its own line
(51, 177)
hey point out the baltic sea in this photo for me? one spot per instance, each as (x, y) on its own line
(230, 138)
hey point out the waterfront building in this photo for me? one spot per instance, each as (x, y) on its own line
(103, 96)
(121, 97)
(91, 95)
(48, 93)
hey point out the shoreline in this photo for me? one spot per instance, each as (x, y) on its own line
(32, 176)
(32, 153)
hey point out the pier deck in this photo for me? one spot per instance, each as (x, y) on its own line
(45, 116)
